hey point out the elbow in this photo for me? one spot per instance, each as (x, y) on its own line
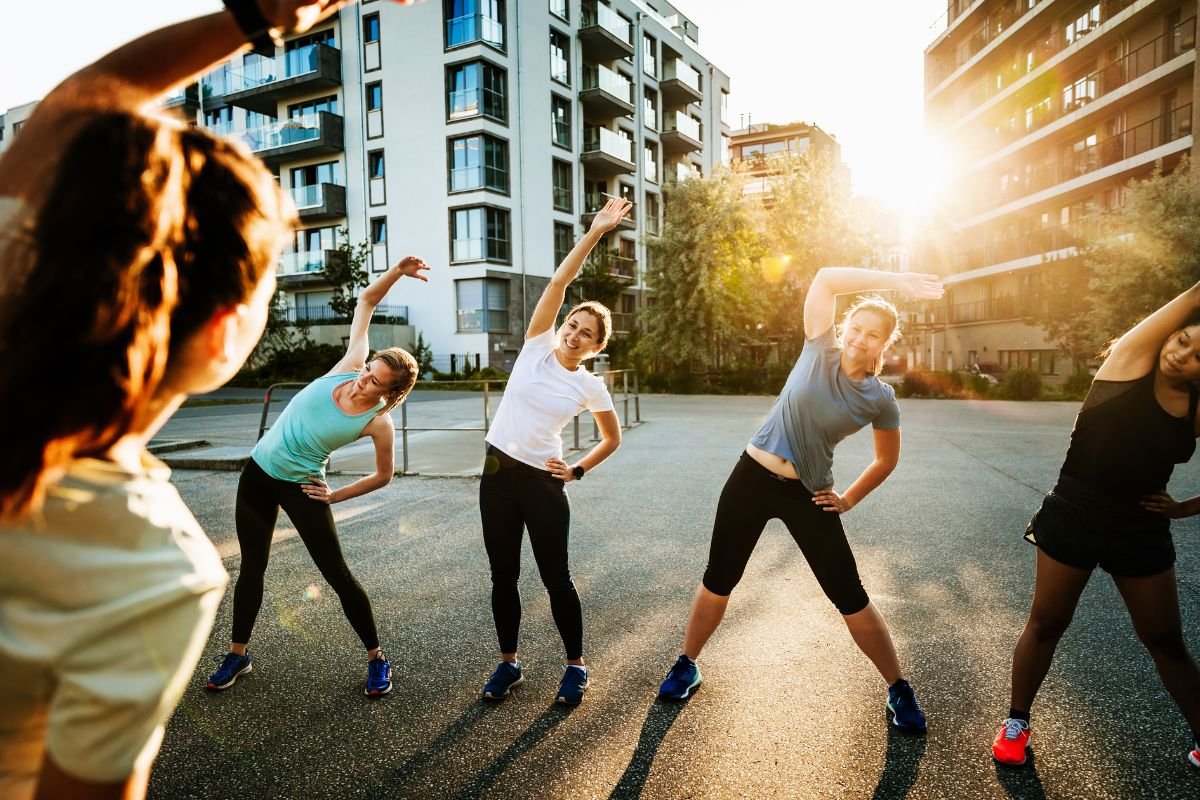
(382, 479)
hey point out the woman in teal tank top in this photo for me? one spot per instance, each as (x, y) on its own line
(287, 470)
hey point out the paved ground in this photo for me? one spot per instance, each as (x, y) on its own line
(788, 708)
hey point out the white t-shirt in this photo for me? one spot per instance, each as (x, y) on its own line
(106, 600)
(540, 399)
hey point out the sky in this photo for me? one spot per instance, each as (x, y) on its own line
(853, 68)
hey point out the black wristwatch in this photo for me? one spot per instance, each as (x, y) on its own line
(253, 24)
(578, 471)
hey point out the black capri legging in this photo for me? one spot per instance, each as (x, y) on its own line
(752, 496)
(514, 496)
(259, 498)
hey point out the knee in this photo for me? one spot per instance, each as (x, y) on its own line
(720, 583)
(1047, 627)
(505, 577)
(1165, 643)
(558, 581)
(851, 601)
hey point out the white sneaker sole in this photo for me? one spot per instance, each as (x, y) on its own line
(1194, 758)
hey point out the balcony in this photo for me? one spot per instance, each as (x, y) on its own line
(606, 93)
(472, 28)
(186, 98)
(593, 202)
(320, 201)
(303, 269)
(1154, 133)
(616, 265)
(303, 137)
(607, 152)
(324, 315)
(623, 322)
(680, 83)
(265, 82)
(996, 309)
(604, 34)
(1092, 87)
(1033, 244)
(682, 170)
(681, 133)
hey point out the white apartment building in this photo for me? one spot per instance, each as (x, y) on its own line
(481, 135)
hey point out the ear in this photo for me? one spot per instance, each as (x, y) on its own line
(221, 333)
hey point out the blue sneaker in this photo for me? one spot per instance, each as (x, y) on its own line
(232, 667)
(683, 679)
(504, 678)
(574, 684)
(379, 676)
(904, 709)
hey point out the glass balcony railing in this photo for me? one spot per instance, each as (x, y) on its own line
(650, 168)
(311, 196)
(684, 123)
(473, 102)
(280, 134)
(607, 80)
(680, 70)
(258, 71)
(685, 170)
(306, 263)
(1034, 243)
(478, 27)
(603, 140)
(611, 21)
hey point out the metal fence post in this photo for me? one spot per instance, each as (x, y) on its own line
(637, 400)
(485, 406)
(576, 430)
(404, 435)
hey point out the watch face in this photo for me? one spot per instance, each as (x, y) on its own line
(578, 471)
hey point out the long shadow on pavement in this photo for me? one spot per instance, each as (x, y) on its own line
(658, 721)
(900, 765)
(452, 735)
(1021, 783)
(538, 730)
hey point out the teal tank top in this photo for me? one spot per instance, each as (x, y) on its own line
(297, 447)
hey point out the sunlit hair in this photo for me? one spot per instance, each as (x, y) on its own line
(405, 368)
(876, 305)
(144, 232)
(603, 320)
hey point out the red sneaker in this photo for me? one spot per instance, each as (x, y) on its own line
(1011, 742)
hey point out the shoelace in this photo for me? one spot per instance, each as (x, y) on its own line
(1014, 728)
(378, 669)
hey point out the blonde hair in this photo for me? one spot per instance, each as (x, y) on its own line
(401, 362)
(603, 319)
(876, 305)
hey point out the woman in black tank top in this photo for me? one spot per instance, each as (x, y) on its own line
(1110, 509)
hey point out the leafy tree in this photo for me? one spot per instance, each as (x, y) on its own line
(597, 281)
(423, 353)
(280, 334)
(345, 271)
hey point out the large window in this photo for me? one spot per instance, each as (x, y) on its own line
(650, 108)
(560, 121)
(374, 96)
(469, 21)
(650, 161)
(560, 57)
(1041, 361)
(476, 88)
(561, 175)
(560, 9)
(482, 305)
(478, 162)
(649, 56)
(564, 240)
(371, 27)
(480, 233)
(311, 107)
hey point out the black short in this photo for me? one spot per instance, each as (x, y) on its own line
(1077, 536)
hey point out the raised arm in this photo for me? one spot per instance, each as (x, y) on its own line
(135, 74)
(1135, 352)
(820, 304)
(357, 346)
(552, 298)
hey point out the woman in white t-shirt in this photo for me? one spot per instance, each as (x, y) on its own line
(139, 260)
(524, 477)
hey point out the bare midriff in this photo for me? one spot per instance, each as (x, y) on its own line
(780, 466)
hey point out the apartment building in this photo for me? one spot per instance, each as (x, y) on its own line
(1049, 108)
(755, 147)
(482, 135)
(11, 122)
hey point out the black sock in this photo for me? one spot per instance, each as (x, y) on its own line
(1021, 715)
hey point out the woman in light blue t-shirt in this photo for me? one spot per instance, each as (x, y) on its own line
(786, 473)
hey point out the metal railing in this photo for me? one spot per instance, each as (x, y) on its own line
(1033, 243)
(610, 379)
(992, 310)
(597, 139)
(603, 16)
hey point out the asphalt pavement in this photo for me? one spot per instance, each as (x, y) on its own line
(789, 708)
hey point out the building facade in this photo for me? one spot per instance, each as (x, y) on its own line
(756, 145)
(1048, 108)
(482, 135)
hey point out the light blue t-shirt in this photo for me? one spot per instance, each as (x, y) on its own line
(297, 447)
(818, 407)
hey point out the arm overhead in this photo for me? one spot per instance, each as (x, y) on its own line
(357, 345)
(820, 304)
(1135, 352)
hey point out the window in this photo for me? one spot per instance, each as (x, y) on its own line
(313, 174)
(479, 233)
(313, 107)
(652, 212)
(560, 121)
(379, 230)
(650, 161)
(561, 174)
(371, 27)
(325, 37)
(564, 240)
(649, 56)
(374, 103)
(482, 305)
(376, 185)
(314, 240)
(478, 162)
(560, 9)
(476, 88)
(469, 21)
(374, 96)
(375, 164)
(1042, 361)
(218, 121)
(1082, 25)
(650, 108)
(560, 58)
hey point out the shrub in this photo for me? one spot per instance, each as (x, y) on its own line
(1076, 386)
(298, 365)
(1022, 383)
(944, 384)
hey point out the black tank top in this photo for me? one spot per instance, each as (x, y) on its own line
(1124, 444)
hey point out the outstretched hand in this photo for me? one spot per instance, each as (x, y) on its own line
(412, 266)
(611, 215)
(920, 286)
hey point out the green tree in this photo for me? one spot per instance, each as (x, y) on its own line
(703, 275)
(280, 334)
(346, 271)
(1137, 258)
(423, 353)
(597, 279)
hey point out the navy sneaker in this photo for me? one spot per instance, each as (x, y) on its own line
(379, 676)
(574, 684)
(232, 667)
(904, 709)
(503, 679)
(683, 679)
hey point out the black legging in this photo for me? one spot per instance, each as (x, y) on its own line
(513, 496)
(752, 496)
(259, 498)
